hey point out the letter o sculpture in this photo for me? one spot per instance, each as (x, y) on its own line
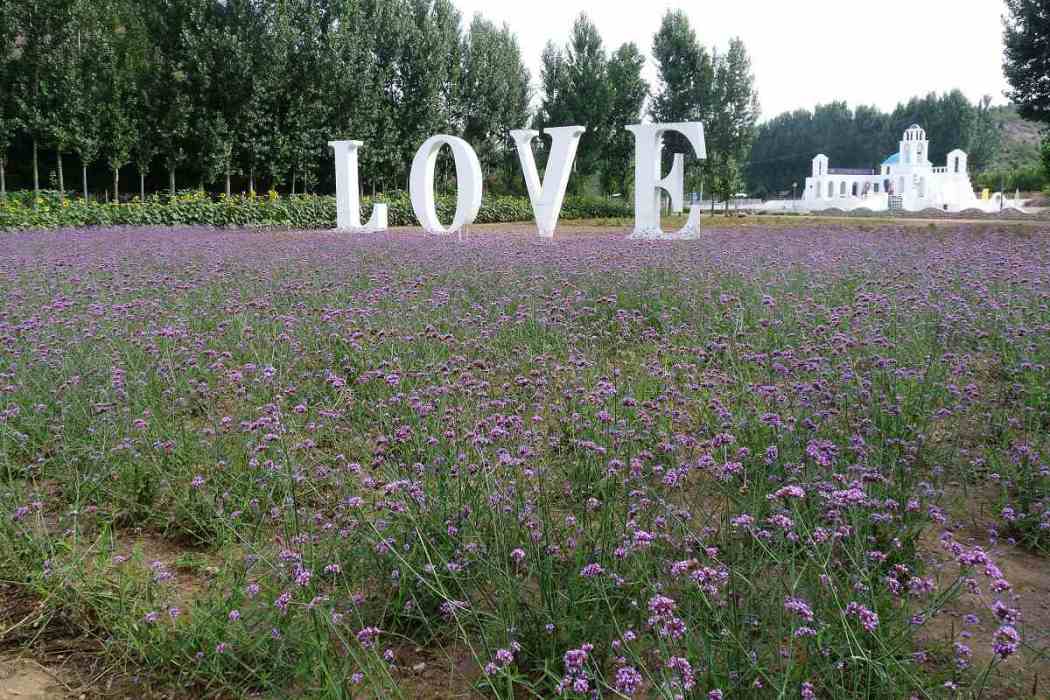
(468, 184)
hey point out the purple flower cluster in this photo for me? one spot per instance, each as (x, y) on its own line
(699, 470)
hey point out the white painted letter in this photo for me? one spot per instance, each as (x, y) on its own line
(648, 148)
(548, 197)
(468, 184)
(347, 194)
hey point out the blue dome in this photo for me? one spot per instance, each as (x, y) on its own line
(892, 160)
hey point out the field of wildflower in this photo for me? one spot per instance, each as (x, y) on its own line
(803, 461)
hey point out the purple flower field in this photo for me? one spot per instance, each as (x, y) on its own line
(803, 461)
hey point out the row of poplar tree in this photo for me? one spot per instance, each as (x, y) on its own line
(247, 93)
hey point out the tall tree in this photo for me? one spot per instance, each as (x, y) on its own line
(8, 68)
(985, 137)
(628, 91)
(71, 95)
(576, 91)
(120, 51)
(167, 22)
(257, 119)
(685, 88)
(152, 97)
(733, 123)
(371, 46)
(82, 121)
(1026, 35)
(118, 132)
(553, 85)
(494, 91)
(429, 66)
(310, 110)
(587, 92)
(219, 68)
(42, 28)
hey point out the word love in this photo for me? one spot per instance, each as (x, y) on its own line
(546, 196)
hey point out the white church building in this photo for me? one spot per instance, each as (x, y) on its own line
(906, 181)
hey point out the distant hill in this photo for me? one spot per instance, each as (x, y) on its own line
(1019, 146)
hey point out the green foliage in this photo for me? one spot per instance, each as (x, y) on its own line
(582, 84)
(732, 126)
(17, 211)
(717, 89)
(685, 91)
(247, 94)
(494, 93)
(1028, 178)
(628, 90)
(1044, 153)
(1027, 63)
(8, 120)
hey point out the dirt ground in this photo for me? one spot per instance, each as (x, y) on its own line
(25, 679)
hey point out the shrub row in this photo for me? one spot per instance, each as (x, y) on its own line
(301, 211)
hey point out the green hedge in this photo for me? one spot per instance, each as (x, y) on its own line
(1030, 178)
(17, 211)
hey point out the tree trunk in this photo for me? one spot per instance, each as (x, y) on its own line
(293, 181)
(171, 181)
(227, 181)
(3, 177)
(61, 179)
(83, 175)
(36, 173)
(251, 181)
(116, 185)
(142, 186)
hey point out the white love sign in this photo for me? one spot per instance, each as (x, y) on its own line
(547, 196)
(648, 159)
(468, 184)
(347, 191)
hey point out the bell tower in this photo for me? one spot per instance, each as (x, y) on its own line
(914, 147)
(820, 166)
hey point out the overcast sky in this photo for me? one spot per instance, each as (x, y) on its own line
(804, 53)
